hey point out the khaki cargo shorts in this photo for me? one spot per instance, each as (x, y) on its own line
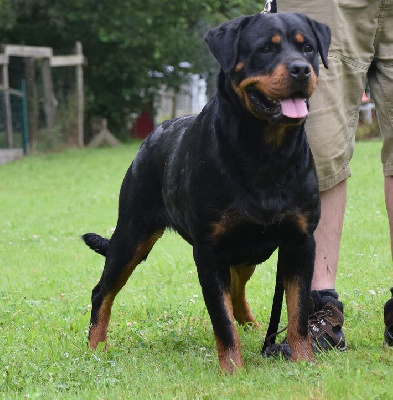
(362, 36)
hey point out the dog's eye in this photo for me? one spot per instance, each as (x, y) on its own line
(308, 49)
(267, 49)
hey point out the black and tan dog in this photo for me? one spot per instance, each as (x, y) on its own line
(237, 182)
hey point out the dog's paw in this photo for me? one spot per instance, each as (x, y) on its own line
(277, 350)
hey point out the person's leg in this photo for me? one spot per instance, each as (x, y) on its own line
(389, 206)
(330, 126)
(328, 236)
(381, 85)
(327, 319)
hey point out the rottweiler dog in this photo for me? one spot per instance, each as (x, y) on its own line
(236, 181)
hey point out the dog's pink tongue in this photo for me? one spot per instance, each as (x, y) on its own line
(294, 108)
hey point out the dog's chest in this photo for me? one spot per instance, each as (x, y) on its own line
(244, 241)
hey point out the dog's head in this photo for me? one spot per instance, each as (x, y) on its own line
(272, 62)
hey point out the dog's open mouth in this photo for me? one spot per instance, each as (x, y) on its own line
(293, 107)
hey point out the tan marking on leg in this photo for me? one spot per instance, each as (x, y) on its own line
(300, 346)
(141, 252)
(241, 309)
(98, 331)
(229, 358)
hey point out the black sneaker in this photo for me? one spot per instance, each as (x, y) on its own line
(388, 317)
(325, 324)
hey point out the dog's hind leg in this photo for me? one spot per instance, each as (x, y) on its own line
(123, 255)
(142, 220)
(240, 275)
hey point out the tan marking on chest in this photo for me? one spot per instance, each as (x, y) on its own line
(227, 222)
(275, 134)
(302, 222)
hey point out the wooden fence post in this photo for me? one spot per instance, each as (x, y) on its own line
(32, 100)
(48, 94)
(81, 98)
(10, 137)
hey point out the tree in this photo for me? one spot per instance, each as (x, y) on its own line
(123, 41)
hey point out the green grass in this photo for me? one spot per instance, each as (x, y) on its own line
(161, 342)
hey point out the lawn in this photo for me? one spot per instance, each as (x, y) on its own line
(161, 342)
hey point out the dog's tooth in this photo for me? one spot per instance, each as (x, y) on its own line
(272, 100)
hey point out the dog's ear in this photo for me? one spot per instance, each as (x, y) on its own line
(223, 41)
(323, 35)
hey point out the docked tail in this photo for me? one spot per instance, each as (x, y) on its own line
(96, 242)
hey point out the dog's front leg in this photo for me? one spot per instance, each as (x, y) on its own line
(296, 261)
(215, 280)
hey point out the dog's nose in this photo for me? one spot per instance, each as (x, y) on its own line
(300, 70)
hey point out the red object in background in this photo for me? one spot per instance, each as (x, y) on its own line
(144, 123)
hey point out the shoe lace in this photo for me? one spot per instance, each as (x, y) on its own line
(317, 319)
(273, 335)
